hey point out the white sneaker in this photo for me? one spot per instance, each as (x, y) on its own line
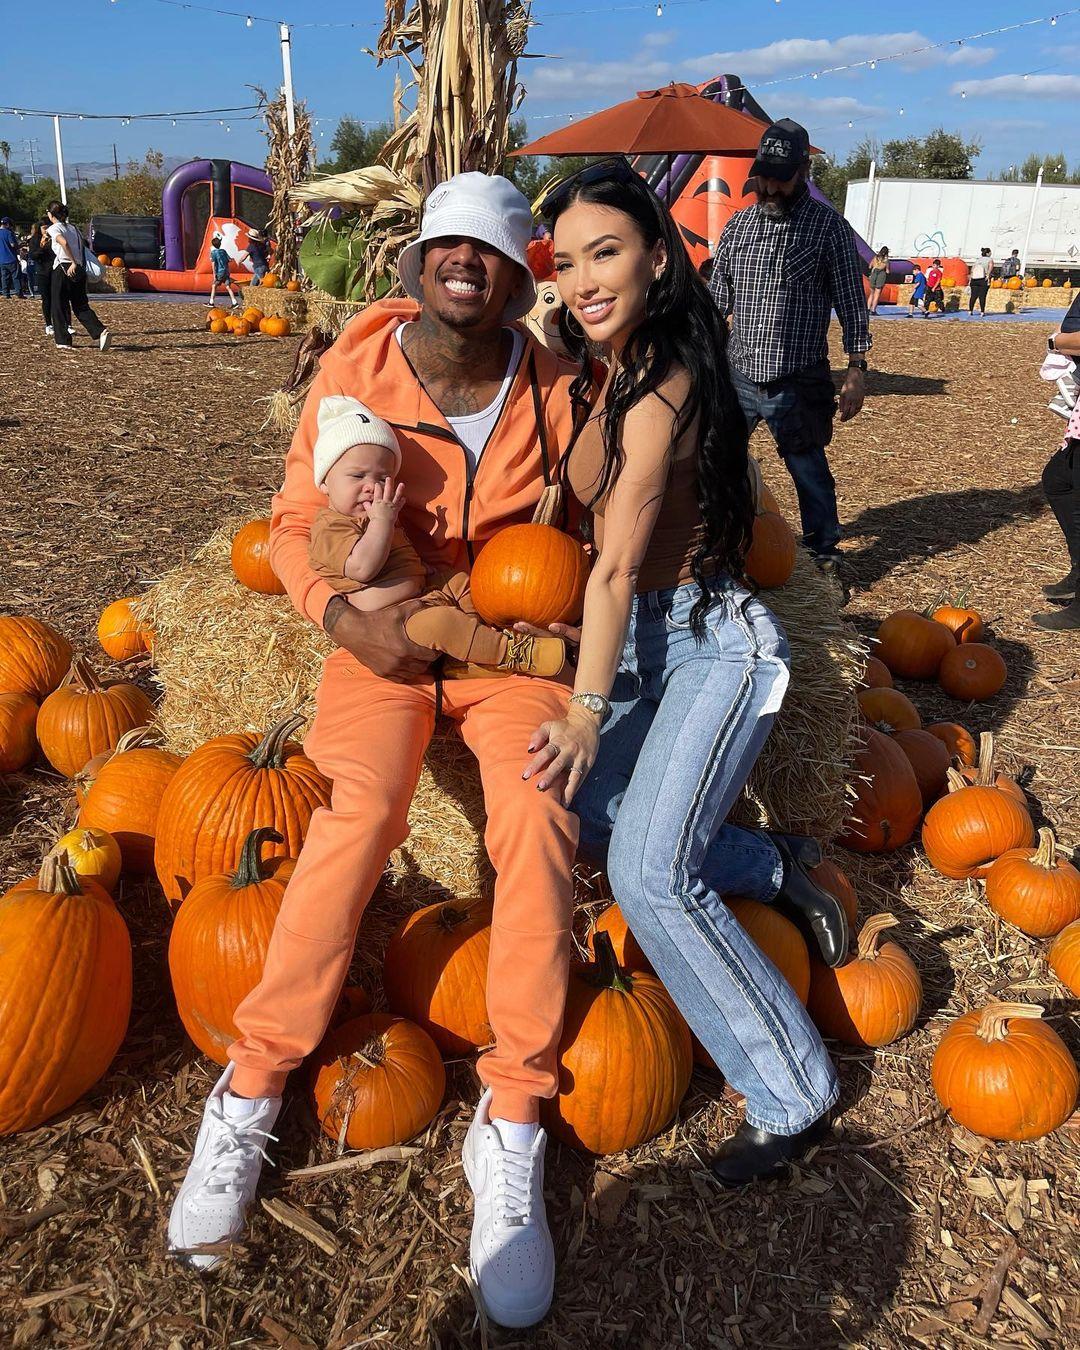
(211, 1206)
(105, 340)
(71, 332)
(48, 330)
(511, 1255)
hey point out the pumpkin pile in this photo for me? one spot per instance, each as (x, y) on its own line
(251, 320)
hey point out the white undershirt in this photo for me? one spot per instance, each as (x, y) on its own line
(474, 430)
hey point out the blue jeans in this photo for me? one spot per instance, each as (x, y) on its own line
(9, 279)
(688, 722)
(798, 409)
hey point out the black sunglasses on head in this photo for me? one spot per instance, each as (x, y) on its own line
(616, 169)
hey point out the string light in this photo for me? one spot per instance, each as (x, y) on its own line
(249, 22)
(659, 10)
(873, 66)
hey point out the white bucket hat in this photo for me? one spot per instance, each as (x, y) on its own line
(343, 423)
(479, 206)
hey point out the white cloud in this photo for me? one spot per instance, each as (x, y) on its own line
(603, 82)
(1020, 86)
(830, 109)
(798, 54)
(663, 38)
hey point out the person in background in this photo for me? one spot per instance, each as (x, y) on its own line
(918, 291)
(256, 255)
(26, 287)
(782, 265)
(705, 269)
(934, 294)
(9, 261)
(879, 275)
(1061, 483)
(220, 261)
(1011, 266)
(69, 283)
(982, 269)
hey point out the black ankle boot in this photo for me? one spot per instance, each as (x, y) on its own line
(1064, 591)
(816, 912)
(752, 1155)
(1061, 620)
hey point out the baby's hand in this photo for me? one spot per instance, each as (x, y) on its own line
(387, 502)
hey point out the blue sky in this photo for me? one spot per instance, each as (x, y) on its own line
(142, 55)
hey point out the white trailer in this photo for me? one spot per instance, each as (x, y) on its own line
(923, 217)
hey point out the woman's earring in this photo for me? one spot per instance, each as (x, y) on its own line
(572, 326)
(650, 296)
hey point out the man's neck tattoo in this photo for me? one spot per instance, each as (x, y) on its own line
(457, 367)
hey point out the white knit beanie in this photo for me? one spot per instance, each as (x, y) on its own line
(343, 423)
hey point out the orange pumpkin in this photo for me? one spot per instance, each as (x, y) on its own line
(275, 326)
(1064, 957)
(913, 646)
(876, 675)
(293, 285)
(18, 743)
(837, 883)
(270, 280)
(93, 854)
(985, 771)
(120, 633)
(1004, 1073)
(971, 827)
(103, 258)
(218, 326)
(771, 559)
(215, 313)
(964, 624)
(251, 558)
(624, 1057)
(1013, 284)
(1030, 283)
(888, 803)
(1036, 890)
(627, 952)
(874, 998)
(888, 710)
(253, 315)
(224, 790)
(376, 1080)
(956, 739)
(531, 573)
(929, 759)
(34, 658)
(86, 716)
(778, 939)
(972, 672)
(123, 795)
(241, 328)
(65, 992)
(353, 1001)
(217, 947)
(435, 973)
(118, 262)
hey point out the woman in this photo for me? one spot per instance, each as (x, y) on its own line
(69, 283)
(695, 666)
(981, 270)
(1061, 483)
(879, 275)
(39, 247)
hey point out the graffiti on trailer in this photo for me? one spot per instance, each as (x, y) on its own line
(930, 244)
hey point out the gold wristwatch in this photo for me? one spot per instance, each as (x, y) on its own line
(595, 703)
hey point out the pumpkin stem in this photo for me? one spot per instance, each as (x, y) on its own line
(57, 875)
(549, 505)
(270, 752)
(987, 755)
(871, 931)
(605, 971)
(82, 673)
(451, 915)
(1046, 853)
(995, 1018)
(136, 737)
(249, 871)
(955, 780)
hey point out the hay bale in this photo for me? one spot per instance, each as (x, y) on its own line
(231, 660)
(276, 301)
(329, 314)
(113, 281)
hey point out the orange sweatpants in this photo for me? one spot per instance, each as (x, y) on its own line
(369, 736)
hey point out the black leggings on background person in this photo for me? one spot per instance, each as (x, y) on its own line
(69, 297)
(979, 288)
(1061, 483)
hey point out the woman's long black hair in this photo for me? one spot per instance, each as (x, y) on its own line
(682, 326)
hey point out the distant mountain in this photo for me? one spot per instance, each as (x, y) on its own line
(88, 172)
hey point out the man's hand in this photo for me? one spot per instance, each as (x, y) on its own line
(378, 639)
(852, 393)
(566, 631)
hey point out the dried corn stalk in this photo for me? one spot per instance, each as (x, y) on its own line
(289, 161)
(463, 55)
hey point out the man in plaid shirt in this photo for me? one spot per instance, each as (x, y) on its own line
(780, 269)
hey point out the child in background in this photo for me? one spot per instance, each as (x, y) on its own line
(934, 294)
(256, 254)
(358, 547)
(917, 295)
(220, 261)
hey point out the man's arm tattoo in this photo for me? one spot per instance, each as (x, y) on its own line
(335, 608)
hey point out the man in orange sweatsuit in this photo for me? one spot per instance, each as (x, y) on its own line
(481, 411)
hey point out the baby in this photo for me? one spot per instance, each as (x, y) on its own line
(358, 547)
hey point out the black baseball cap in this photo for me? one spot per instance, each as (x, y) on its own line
(783, 150)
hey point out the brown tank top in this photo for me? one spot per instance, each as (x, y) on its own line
(678, 531)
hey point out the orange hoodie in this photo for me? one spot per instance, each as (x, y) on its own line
(448, 512)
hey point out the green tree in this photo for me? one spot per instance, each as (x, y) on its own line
(136, 193)
(5, 151)
(531, 173)
(941, 154)
(356, 145)
(1055, 170)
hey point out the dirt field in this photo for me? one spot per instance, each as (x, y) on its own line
(903, 1229)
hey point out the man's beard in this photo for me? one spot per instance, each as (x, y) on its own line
(776, 208)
